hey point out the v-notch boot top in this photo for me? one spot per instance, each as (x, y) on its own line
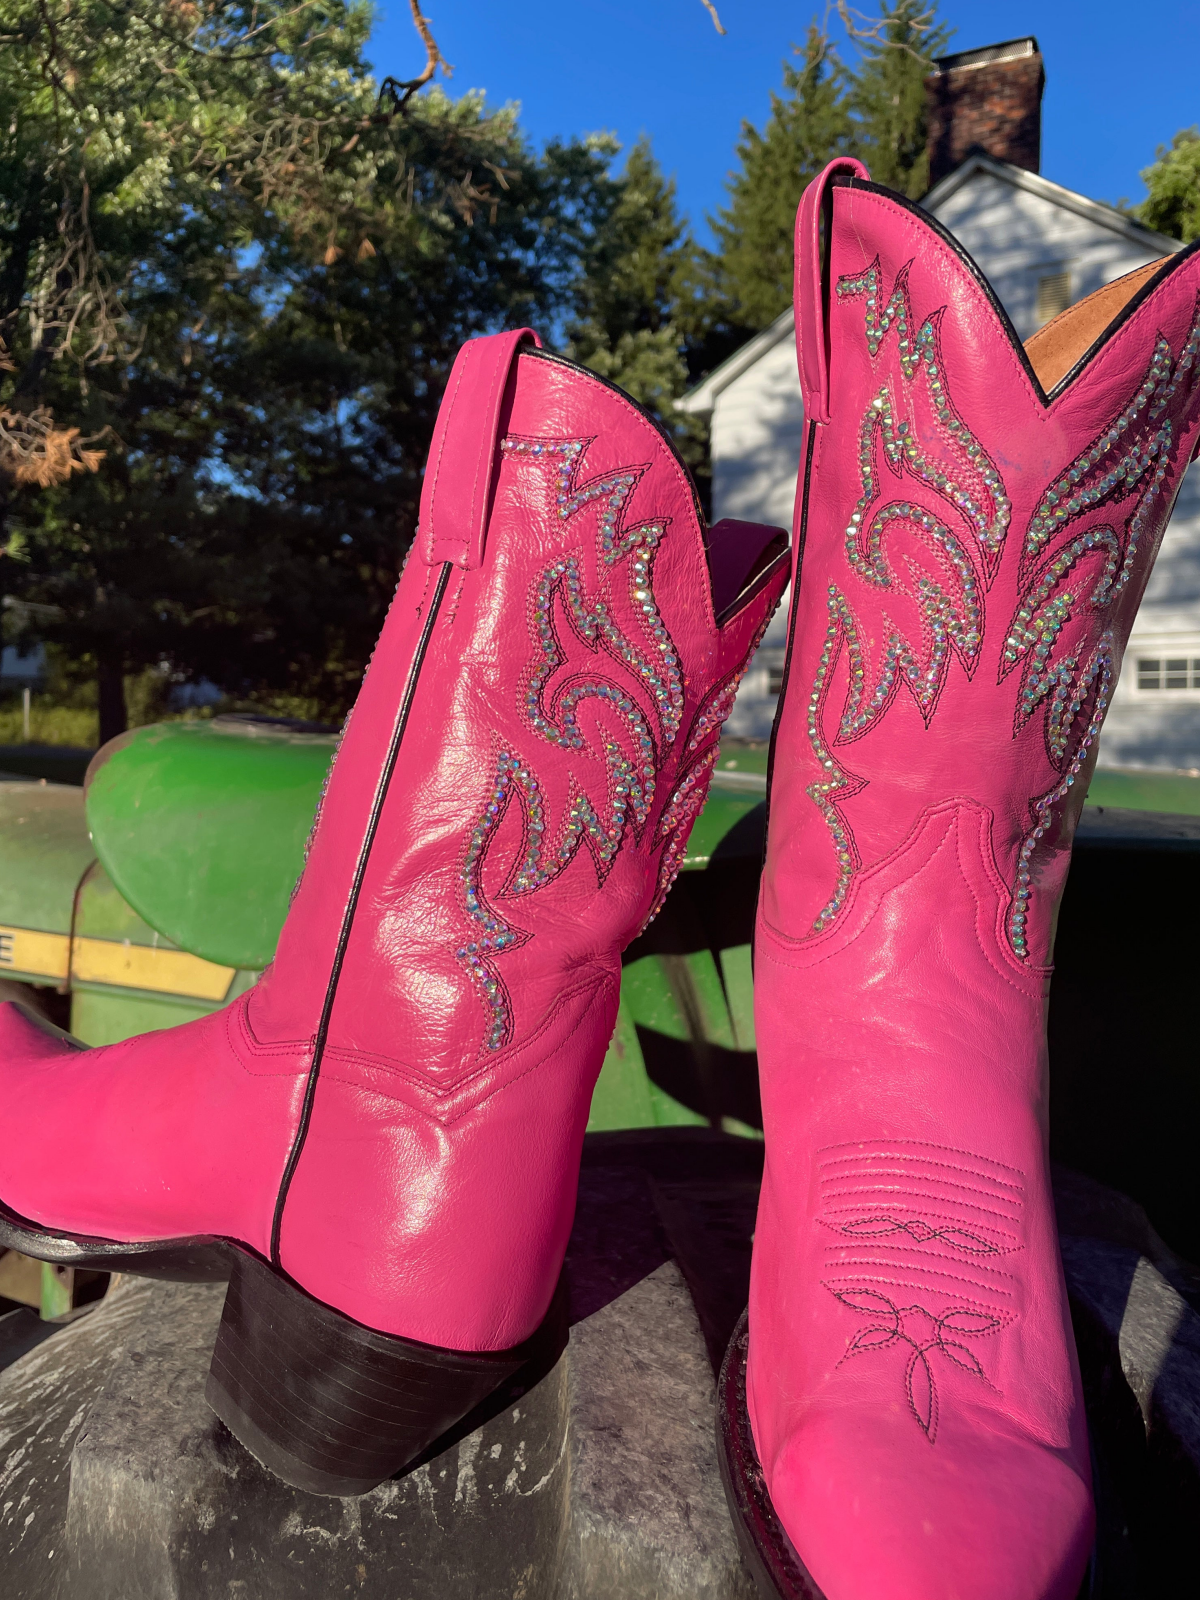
(976, 524)
(383, 1136)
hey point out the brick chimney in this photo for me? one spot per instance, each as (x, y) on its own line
(990, 97)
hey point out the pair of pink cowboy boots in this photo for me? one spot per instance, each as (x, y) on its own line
(380, 1142)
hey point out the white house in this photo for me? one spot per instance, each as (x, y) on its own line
(1042, 247)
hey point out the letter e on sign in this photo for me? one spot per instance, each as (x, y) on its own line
(6, 949)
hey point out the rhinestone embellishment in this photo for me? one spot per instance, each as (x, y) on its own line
(680, 813)
(1097, 677)
(1113, 464)
(665, 682)
(1133, 456)
(836, 780)
(1061, 646)
(632, 769)
(959, 470)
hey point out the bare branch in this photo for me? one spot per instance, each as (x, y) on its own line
(712, 11)
(401, 90)
(873, 30)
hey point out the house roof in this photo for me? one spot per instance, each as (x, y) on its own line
(1103, 215)
(702, 398)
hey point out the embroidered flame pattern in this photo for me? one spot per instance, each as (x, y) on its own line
(936, 565)
(1085, 550)
(633, 757)
(1062, 642)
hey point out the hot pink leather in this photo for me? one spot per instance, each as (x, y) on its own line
(563, 727)
(958, 627)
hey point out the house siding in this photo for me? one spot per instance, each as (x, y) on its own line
(1017, 238)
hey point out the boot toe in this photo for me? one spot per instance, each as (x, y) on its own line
(979, 1515)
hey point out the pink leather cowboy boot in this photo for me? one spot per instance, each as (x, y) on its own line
(976, 523)
(381, 1140)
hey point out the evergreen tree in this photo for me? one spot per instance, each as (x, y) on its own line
(286, 256)
(887, 94)
(809, 125)
(634, 303)
(1173, 203)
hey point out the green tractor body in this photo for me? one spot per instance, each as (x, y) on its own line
(157, 893)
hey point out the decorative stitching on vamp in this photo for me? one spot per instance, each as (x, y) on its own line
(904, 1287)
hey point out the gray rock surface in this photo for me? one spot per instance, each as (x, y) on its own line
(601, 1481)
(646, 1511)
(1137, 1325)
(45, 1398)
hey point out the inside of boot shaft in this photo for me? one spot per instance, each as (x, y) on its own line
(1054, 349)
(740, 557)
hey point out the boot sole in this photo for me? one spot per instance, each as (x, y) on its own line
(324, 1403)
(778, 1572)
(775, 1566)
(202, 1259)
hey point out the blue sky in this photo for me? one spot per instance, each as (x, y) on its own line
(1119, 80)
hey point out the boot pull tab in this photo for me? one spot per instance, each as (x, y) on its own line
(811, 350)
(456, 492)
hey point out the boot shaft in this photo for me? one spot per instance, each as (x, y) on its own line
(973, 541)
(557, 660)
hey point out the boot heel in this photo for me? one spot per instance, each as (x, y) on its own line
(335, 1408)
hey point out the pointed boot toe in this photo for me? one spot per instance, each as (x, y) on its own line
(991, 1514)
(977, 520)
(883, 1522)
(379, 1144)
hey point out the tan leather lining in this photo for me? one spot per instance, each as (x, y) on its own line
(1054, 349)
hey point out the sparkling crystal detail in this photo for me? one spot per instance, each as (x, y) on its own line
(960, 471)
(1131, 457)
(1132, 450)
(492, 933)
(664, 681)
(631, 775)
(947, 624)
(822, 793)
(680, 813)
(1094, 684)
(716, 709)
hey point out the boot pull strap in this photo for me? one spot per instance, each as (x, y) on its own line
(456, 493)
(811, 351)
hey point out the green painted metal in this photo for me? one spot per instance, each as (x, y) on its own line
(104, 1013)
(202, 826)
(107, 1016)
(44, 849)
(56, 1291)
(731, 797)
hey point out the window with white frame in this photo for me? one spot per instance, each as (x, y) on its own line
(1168, 672)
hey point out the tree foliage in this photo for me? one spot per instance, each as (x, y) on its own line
(810, 123)
(235, 269)
(887, 94)
(874, 110)
(637, 307)
(286, 256)
(1173, 202)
